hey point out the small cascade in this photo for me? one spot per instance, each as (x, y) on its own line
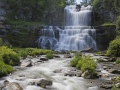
(77, 33)
(72, 38)
(47, 40)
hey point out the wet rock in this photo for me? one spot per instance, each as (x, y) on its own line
(88, 50)
(73, 73)
(106, 84)
(89, 75)
(103, 75)
(56, 56)
(67, 56)
(114, 71)
(27, 63)
(117, 85)
(43, 83)
(105, 67)
(112, 59)
(43, 58)
(64, 52)
(11, 86)
(57, 71)
(6, 82)
(30, 57)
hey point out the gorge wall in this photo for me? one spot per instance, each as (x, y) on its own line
(104, 34)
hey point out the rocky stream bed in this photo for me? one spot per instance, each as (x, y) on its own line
(39, 73)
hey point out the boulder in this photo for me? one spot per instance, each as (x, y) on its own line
(88, 50)
(112, 59)
(43, 58)
(67, 56)
(27, 63)
(43, 83)
(73, 73)
(114, 71)
(56, 56)
(117, 85)
(11, 86)
(89, 75)
(106, 85)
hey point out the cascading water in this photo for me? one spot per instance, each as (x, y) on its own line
(47, 40)
(77, 33)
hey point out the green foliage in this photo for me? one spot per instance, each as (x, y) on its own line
(32, 51)
(118, 26)
(75, 61)
(11, 59)
(9, 56)
(23, 23)
(86, 64)
(35, 51)
(114, 47)
(49, 55)
(4, 69)
(1, 42)
(34, 10)
(118, 61)
(23, 53)
(104, 9)
(118, 23)
(83, 63)
(114, 87)
(108, 24)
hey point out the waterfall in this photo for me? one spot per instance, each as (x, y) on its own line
(77, 33)
(47, 40)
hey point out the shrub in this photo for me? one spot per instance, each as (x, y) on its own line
(11, 59)
(118, 61)
(49, 55)
(75, 61)
(9, 56)
(4, 69)
(114, 47)
(86, 64)
(23, 53)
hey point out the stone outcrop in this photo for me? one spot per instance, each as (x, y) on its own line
(11, 86)
(2, 19)
(43, 83)
(104, 34)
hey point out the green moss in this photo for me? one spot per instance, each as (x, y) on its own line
(108, 24)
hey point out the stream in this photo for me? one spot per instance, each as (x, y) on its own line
(53, 69)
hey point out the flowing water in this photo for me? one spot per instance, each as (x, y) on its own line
(47, 70)
(77, 33)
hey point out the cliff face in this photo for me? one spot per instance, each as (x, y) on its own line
(104, 34)
(2, 18)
